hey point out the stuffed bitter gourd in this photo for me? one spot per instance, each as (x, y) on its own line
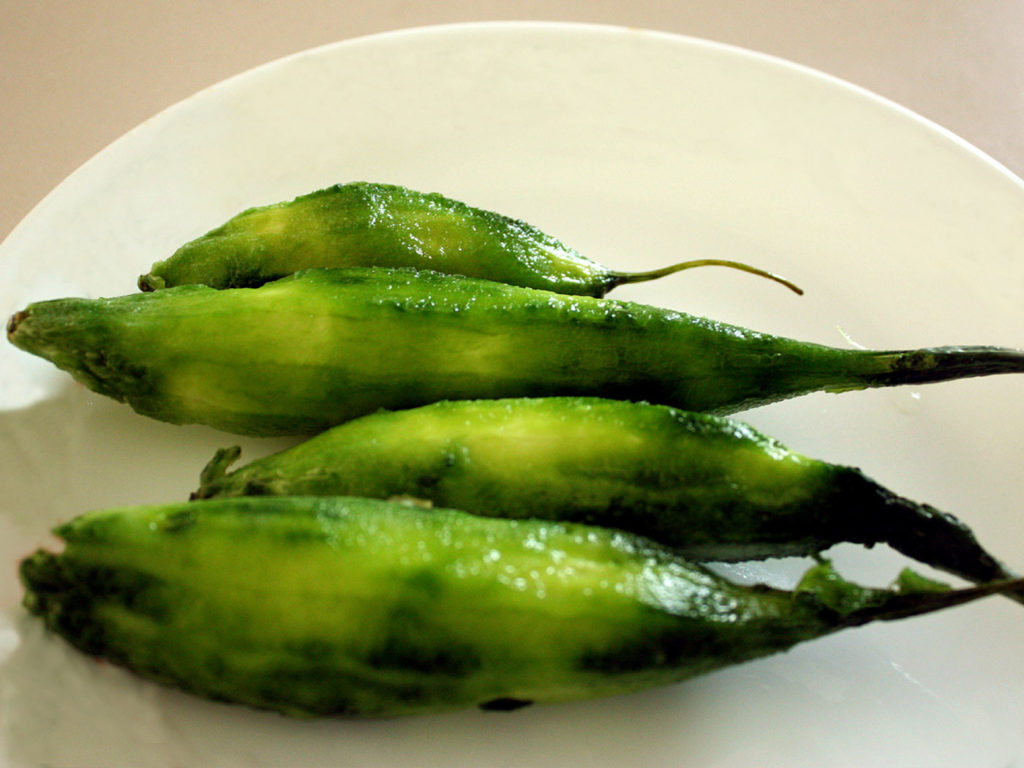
(317, 348)
(324, 606)
(383, 225)
(712, 488)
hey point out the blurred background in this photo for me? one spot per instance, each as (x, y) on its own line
(79, 73)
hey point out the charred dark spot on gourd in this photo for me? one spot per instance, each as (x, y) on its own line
(425, 582)
(914, 361)
(114, 374)
(305, 535)
(216, 664)
(320, 690)
(410, 651)
(655, 644)
(64, 594)
(138, 592)
(505, 704)
(412, 641)
(446, 463)
(407, 649)
(179, 521)
(700, 642)
(257, 487)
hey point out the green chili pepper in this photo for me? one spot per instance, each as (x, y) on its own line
(381, 225)
(317, 348)
(711, 488)
(360, 607)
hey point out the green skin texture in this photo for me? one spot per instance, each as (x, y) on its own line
(364, 608)
(712, 488)
(309, 351)
(379, 225)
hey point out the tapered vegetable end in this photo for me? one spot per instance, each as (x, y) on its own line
(12, 325)
(912, 594)
(70, 334)
(213, 260)
(910, 600)
(945, 542)
(63, 600)
(868, 513)
(924, 366)
(30, 334)
(45, 581)
(36, 333)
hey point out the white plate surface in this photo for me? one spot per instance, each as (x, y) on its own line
(637, 148)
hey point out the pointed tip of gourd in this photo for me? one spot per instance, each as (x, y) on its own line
(936, 364)
(912, 594)
(44, 580)
(13, 322)
(24, 332)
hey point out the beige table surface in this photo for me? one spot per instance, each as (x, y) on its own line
(79, 73)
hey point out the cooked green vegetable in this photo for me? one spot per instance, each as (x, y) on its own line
(381, 225)
(320, 347)
(711, 488)
(358, 607)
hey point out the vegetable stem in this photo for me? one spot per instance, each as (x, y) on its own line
(623, 278)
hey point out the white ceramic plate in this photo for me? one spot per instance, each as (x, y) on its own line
(638, 149)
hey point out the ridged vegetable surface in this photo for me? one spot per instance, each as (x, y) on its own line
(383, 225)
(320, 347)
(328, 606)
(713, 488)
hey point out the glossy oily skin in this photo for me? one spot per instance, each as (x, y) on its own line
(364, 608)
(383, 225)
(712, 488)
(317, 348)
